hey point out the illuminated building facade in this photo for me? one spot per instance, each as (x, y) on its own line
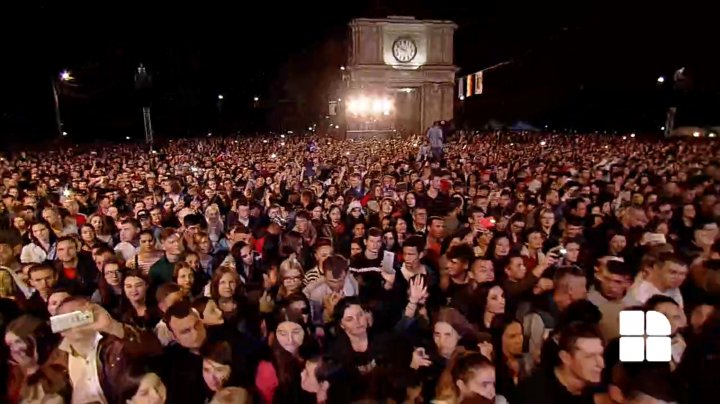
(401, 75)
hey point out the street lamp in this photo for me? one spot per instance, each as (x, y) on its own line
(64, 76)
(256, 99)
(220, 97)
(127, 137)
(661, 80)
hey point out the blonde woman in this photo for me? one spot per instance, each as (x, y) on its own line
(291, 277)
(216, 227)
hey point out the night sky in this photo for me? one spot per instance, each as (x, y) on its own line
(590, 66)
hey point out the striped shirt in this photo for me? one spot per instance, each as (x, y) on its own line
(312, 275)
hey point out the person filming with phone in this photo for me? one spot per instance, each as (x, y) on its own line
(96, 349)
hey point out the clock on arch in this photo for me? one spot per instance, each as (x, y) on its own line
(404, 49)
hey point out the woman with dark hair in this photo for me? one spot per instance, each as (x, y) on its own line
(168, 217)
(451, 333)
(298, 303)
(357, 246)
(335, 219)
(499, 251)
(389, 239)
(227, 292)
(32, 374)
(134, 307)
(247, 265)
(42, 247)
(491, 306)
(104, 228)
(184, 276)
(359, 352)
(110, 286)
(278, 379)
(401, 231)
(511, 363)
(217, 362)
(141, 386)
(88, 238)
(292, 243)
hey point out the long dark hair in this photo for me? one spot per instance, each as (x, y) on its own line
(53, 237)
(36, 334)
(130, 383)
(126, 309)
(287, 366)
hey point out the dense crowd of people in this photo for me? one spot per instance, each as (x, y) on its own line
(487, 269)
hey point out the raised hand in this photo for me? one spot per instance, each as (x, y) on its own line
(420, 359)
(418, 290)
(266, 304)
(389, 279)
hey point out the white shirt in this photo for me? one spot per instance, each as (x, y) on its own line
(126, 250)
(644, 290)
(407, 274)
(163, 333)
(84, 374)
(34, 254)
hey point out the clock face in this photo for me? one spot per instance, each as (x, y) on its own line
(404, 49)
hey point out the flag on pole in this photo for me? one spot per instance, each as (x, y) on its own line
(478, 82)
(469, 86)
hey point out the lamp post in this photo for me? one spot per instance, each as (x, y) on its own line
(65, 77)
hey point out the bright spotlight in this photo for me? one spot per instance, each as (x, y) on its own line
(632, 135)
(661, 80)
(543, 143)
(337, 126)
(378, 106)
(220, 97)
(65, 75)
(272, 156)
(64, 133)
(127, 137)
(696, 134)
(712, 134)
(624, 137)
(282, 136)
(387, 106)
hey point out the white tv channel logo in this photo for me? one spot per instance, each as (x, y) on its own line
(644, 336)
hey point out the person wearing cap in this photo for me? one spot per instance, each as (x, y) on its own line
(145, 219)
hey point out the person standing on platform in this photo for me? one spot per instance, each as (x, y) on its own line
(435, 137)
